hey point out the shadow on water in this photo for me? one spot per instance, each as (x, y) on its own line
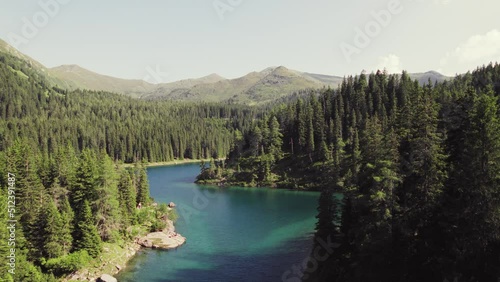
(224, 267)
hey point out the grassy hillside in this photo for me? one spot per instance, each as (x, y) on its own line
(268, 85)
(74, 77)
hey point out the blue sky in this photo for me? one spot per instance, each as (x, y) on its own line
(189, 38)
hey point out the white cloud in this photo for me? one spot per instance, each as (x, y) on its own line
(391, 63)
(477, 50)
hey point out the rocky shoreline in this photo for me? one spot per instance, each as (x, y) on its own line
(166, 239)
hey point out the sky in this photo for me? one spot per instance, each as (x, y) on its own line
(169, 40)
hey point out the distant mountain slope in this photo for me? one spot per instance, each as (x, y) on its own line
(6, 48)
(267, 85)
(433, 76)
(327, 79)
(253, 88)
(188, 83)
(39, 68)
(75, 77)
(278, 83)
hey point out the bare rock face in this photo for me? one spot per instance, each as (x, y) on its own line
(106, 278)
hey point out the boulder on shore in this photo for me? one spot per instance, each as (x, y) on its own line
(166, 239)
(171, 205)
(145, 243)
(162, 240)
(106, 278)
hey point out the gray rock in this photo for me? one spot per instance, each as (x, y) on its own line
(106, 278)
(147, 244)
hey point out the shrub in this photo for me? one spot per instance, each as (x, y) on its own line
(68, 263)
(172, 215)
(158, 225)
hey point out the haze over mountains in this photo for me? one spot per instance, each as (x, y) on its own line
(254, 88)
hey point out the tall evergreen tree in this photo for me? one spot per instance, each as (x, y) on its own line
(142, 187)
(126, 196)
(107, 204)
(67, 217)
(275, 139)
(89, 238)
(85, 183)
(52, 223)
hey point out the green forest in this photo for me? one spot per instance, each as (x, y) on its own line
(124, 128)
(409, 174)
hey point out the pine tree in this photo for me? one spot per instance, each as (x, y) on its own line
(142, 187)
(89, 238)
(52, 223)
(29, 189)
(67, 216)
(85, 183)
(310, 133)
(318, 121)
(327, 228)
(325, 154)
(256, 141)
(275, 139)
(375, 200)
(107, 205)
(328, 215)
(126, 196)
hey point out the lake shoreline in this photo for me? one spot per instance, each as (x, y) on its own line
(217, 185)
(172, 163)
(166, 239)
(214, 231)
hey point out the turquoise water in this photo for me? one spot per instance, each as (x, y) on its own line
(233, 234)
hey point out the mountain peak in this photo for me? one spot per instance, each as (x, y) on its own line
(214, 77)
(71, 67)
(434, 72)
(271, 69)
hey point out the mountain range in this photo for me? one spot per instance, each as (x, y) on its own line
(254, 88)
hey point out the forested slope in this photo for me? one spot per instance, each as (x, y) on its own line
(126, 129)
(418, 168)
(67, 197)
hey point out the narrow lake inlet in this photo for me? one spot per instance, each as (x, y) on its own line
(233, 234)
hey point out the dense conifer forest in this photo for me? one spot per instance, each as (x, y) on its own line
(126, 129)
(409, 175)
(61, 154)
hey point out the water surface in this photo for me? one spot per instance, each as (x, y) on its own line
(233, 234)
